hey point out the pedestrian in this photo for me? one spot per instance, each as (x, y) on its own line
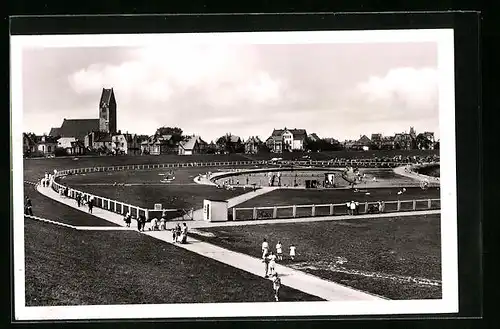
(279, 251)
(184, 233)
(292, 252)
(154, 225)
(28, 207)
(266, 264)
(276, 286)
(357, 207)
(348, 204)
(162, 223)
(272, 263)
(142, 218)
(265, 248)
(78, 200)
(174, 234)
(353, 207)
(127, 219)
(139, 223)
(90, 204)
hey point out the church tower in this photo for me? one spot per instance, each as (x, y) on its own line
(107, 111)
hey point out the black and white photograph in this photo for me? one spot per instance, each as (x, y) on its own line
(230, 174)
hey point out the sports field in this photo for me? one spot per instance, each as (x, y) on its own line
(398, 258)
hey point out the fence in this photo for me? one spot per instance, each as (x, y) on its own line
(297, 211)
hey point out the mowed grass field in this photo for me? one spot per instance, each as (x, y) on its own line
(392, 257)
(283, 197)
(69, 267)
(50, 209)
(433, 171)
(170, 196)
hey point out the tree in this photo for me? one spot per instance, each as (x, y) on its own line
(175, 132)
(225, 144)
(422, 142)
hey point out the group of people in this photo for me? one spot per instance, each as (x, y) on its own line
(46, 181)
(353, 208)
(269, 258)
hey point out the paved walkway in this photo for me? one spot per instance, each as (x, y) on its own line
(289, 277)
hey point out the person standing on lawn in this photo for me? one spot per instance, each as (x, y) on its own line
(276, 286)
(28, 207)
(139, 223)
(292, 252)
(279, 251)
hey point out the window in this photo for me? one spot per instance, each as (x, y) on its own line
(122, 144)
(49, 149)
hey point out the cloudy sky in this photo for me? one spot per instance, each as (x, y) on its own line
(335, 90)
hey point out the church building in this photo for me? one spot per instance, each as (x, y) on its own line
(86, 130)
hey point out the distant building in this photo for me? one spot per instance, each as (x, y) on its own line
(287, 140)
(313, 137)
(253, 145)
(387, 143)
(377, 140)
(126, 144)
(193, 145)
(99, 141)
(71, 145)
(363, 143)
(156, 145)
(46, 144)
(79, 129)
(403, 141)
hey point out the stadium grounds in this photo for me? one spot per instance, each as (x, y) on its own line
(377, 256)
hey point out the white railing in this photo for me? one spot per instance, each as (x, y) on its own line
(297, 211)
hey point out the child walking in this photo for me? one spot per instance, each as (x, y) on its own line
(276, 286)
(279, 251)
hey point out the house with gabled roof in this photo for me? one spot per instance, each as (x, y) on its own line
(253, 145)
(287, 140)
(126, 144)
(192, 145)
(363, 143)
(46, 144)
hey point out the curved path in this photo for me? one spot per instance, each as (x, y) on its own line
(292, 278)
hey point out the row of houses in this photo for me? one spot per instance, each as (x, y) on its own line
(401, 141)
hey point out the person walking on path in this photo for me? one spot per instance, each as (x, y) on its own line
(90, 204)
(276, 286)
(265, 248)
(127, 219)
(266, 264)
(139, 223)
(78, 200)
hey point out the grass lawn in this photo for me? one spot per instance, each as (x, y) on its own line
(283, 197)
(50, 209)
(151, 176)
(69, 267)
(170, 196)
(380, 256)
(433, 171)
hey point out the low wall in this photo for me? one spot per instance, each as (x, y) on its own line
(297, 211)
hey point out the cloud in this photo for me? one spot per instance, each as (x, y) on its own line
(220, 76)
(403, 91)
